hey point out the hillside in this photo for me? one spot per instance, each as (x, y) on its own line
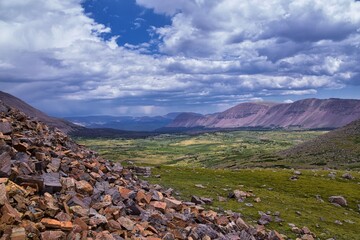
(17, 103)
(302, 114)
(337, 148)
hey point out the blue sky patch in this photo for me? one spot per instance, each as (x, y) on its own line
(126, 19)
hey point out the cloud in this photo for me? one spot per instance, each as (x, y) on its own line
(219, 25)
(214, 53)
(138, 22)
(299, 92)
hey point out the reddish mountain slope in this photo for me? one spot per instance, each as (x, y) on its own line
(306, 114)
(187, 120)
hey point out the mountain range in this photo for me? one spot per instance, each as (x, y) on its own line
(303, 114)
(128, 123)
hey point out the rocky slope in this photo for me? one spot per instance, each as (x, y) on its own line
(304, 114)
(52, 188)
(340, 147)
(15, 102)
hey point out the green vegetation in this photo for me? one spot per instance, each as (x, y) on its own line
(239, 149)
(246, 160)
(277, 193)
(336, 149)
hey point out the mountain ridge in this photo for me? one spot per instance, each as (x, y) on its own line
(309, 113)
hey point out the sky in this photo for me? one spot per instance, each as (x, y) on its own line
(151, 57)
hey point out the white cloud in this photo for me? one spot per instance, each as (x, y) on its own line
(214, 52)
(219, 25)
(40, 25)
(299, 92)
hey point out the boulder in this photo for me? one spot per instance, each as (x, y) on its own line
(339, 200)
(347, 176)
(5, 127)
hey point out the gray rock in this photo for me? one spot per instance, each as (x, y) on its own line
(264, 220)
(339, 200)
(52, 182)
(347, 176)
(5, 165)
(207, 200)
(338, 222)
(246, 236)
(203, 230)
(294, 178)
(5, 127)
(197, 200)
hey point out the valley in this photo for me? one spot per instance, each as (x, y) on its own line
(212, 165)
(237, 149)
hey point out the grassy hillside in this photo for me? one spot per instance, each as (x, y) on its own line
(295, 200)
(336, 149)
(234, 150)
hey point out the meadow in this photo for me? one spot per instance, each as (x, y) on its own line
(246, 160)
(231, 150)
